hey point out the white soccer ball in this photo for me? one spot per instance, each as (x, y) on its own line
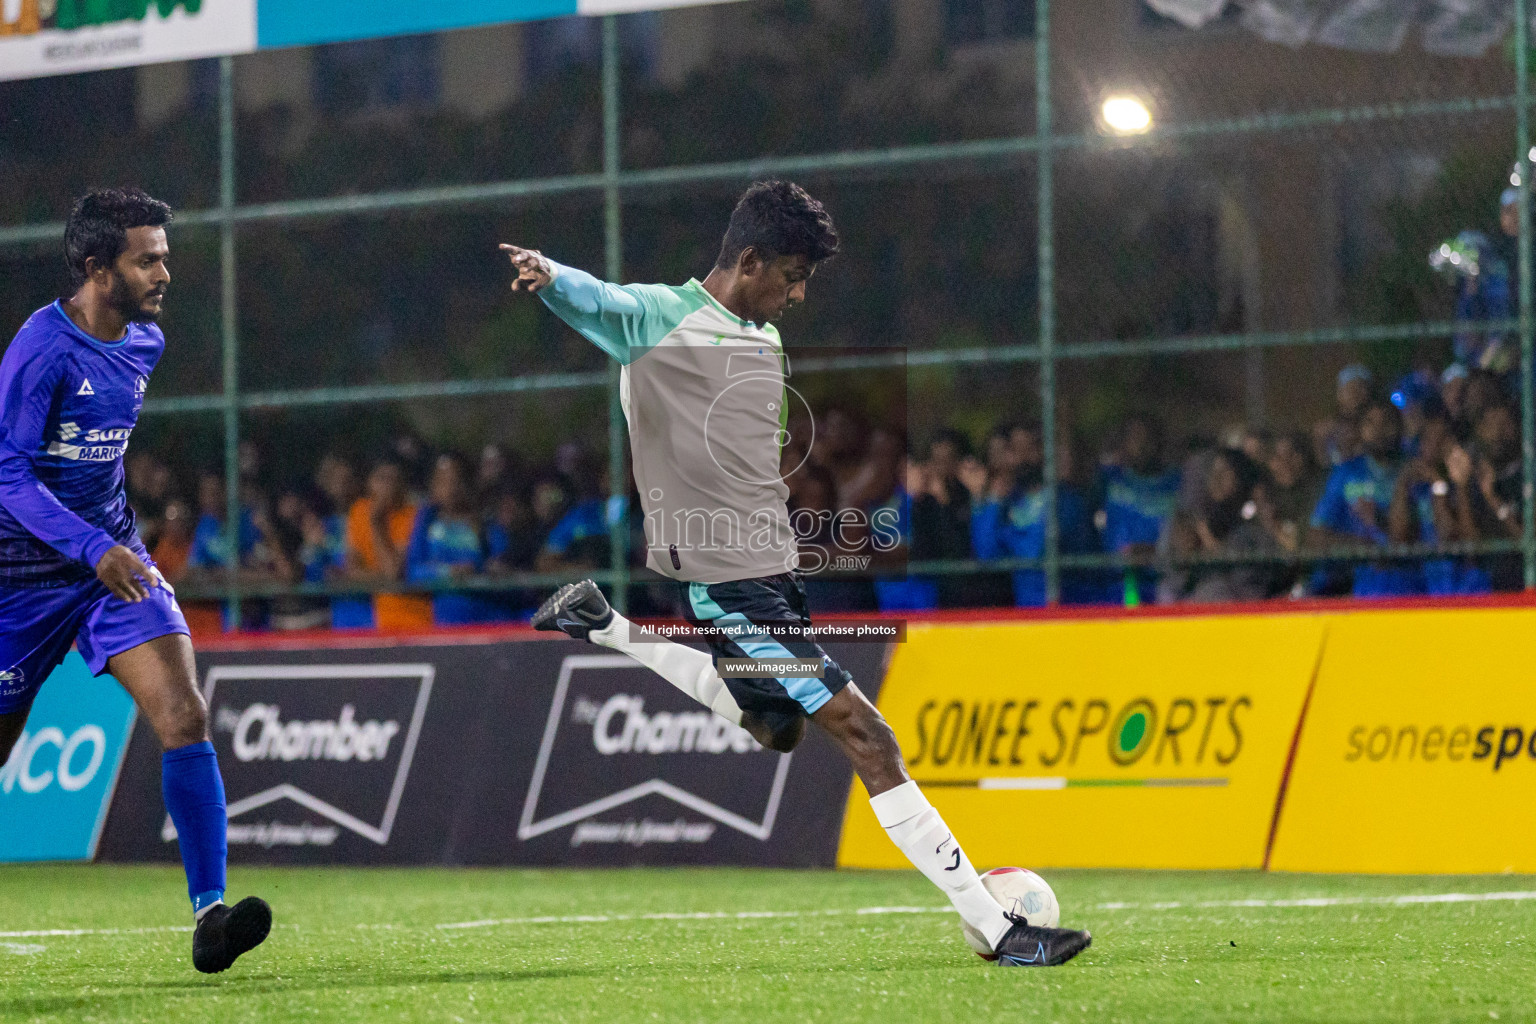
(1019, 891)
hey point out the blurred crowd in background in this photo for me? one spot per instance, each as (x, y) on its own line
(415, 518)
(1245, 516)
(1249, 515)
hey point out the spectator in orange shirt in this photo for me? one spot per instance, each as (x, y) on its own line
(378, 531)
(175, 542)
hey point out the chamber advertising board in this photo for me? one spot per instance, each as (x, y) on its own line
(533, 752)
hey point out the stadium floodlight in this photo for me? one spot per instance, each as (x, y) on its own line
(1514, 175)
(1126, 114)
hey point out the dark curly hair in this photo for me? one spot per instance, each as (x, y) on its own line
(778, 218)
(98, 226)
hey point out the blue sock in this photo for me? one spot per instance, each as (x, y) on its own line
(194, 796)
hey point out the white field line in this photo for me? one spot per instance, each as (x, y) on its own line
(718, 915)
(1310, 901)
(1333, 901)
(748, 915)
(22, 949)
(71, 932)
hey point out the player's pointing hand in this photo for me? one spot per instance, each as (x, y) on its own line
(125, 575)
(533, 270)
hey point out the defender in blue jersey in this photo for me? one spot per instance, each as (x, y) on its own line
(73, 570)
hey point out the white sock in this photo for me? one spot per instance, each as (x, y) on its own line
(198, 915)
(689, 670)
(918, 831)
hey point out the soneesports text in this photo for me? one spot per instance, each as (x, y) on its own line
(1492, 743)
(1185, 730)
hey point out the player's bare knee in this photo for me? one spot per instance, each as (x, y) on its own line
(781, 736)
(183, 721)
(787, 737)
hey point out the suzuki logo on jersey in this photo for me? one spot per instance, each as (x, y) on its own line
(94, 446)
(140, 385)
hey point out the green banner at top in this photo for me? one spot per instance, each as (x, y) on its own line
(304, 22)
(58, 37)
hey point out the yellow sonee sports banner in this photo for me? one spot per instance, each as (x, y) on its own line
(1419, 749)
(1107, 743)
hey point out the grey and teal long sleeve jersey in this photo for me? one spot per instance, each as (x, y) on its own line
(704, 394)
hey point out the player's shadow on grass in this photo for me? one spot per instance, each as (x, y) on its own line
(36, 1006)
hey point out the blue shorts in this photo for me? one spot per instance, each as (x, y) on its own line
(38, 625)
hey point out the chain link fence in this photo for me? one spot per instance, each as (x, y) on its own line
(1031, 256)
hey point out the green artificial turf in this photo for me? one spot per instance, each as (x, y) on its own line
(356, 945)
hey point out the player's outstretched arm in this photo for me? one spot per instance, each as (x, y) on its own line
(533, 271)
(622, 320)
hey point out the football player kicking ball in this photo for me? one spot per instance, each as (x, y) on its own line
(72, 567)
(703, 388)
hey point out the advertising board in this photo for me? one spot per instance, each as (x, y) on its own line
(1112, 743)
(59, 779)
(519, 752)
(1418, 754)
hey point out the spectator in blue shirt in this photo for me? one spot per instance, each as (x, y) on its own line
(906, 593)
(581, 539)
(1424, 511)
(1353, 510)
(450, 542)
(336, 478)
(210, 557)
(1140, 496)
(210, 548)
(1338, 437)
(1008, 520)
(1487, 287)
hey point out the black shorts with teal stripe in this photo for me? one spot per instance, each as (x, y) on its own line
(777, 601)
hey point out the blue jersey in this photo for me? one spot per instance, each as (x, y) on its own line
(1137, 509)
(914, 593)
(1364, 478)
(1016, 527)
(68, 402)
(587, 520)
(1360, 477)
(210, 548)
(1444, 576)
(439, 545)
